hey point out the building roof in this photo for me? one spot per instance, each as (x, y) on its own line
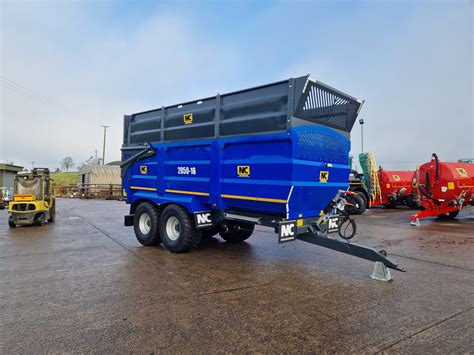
(10, 167)
(99, 169)
(102, 174)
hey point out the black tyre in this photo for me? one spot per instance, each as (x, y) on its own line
(39, 219)
(236, 232)
(450, 215)
(177, 230)
(358, 205)
(11, 224)
(412, 203)
(390, 205)
(52, 214)
(364, 198)
(146, 224)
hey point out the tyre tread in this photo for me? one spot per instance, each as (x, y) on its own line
(155, 220)
(191, 237)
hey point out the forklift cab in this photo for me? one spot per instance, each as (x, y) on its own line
(33, 199)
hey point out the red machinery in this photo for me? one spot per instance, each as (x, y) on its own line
(396, 188)
(444, 188)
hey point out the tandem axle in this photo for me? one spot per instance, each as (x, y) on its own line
(235, 226)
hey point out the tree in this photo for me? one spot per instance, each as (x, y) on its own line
(67, 163)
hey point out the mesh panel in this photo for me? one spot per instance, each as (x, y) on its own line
(322, 146)
(326, 106)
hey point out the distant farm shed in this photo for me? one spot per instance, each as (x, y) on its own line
(7, 174)
(100, 175)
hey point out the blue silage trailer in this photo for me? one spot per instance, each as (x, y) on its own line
(275, 155)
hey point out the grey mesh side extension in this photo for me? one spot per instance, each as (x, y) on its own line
(321, 104)
(270, 108)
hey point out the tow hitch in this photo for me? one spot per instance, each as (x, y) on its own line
(318, 234)
(352, 249)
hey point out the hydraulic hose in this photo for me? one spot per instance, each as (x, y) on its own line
(424, 193)
(423, 189)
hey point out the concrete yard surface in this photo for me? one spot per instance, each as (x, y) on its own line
(84, 284)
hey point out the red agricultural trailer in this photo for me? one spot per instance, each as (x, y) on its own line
(444, 189)
(389, 188)
(396, 188)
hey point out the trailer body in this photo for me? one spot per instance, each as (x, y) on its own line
(397, 188)
(274, 155)
(268, 174)
(280, 149)
(444, 188)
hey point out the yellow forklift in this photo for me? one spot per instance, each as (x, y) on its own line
(33, 199)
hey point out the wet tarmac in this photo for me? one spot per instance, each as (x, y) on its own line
(84, 284)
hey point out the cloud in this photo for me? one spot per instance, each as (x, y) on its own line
(416, 78)
(97, 76)
(412, 63)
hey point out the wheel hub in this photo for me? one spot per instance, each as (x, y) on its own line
(173, 228)
(145, 223)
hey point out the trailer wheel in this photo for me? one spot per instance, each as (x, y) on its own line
(178, 233)
(237, 232)
(450, 215)
(11, 224)
(146, 224)
(412, 203)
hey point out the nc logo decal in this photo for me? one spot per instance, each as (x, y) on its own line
(203, 219)
(287, 232)
(243, 170)
(323, 176)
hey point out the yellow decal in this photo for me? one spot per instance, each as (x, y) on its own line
(323, 176)
(187, 192)
(388, 186)
(450, 185)
(143, 188)
(299, 222)
(243, 170)
(396, 177)
(124, 193)
(188, 118)
(462, 172)
(143, 169)
(251, 198)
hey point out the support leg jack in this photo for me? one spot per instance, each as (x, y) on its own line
(381, 273)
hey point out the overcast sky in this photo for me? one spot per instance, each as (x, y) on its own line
(68, 67)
